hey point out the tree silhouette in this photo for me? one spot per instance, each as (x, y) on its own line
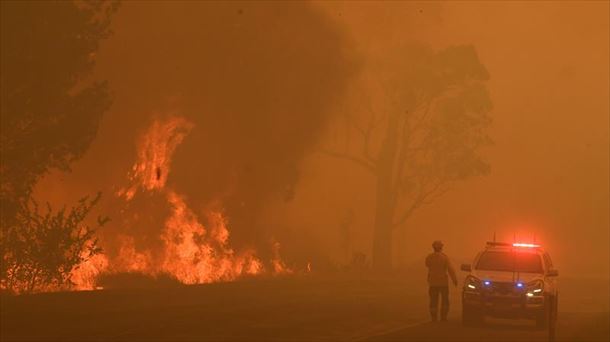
(426, 138)
(45, 246)
(49, 113)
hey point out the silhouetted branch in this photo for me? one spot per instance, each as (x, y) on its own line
(362, 162)
(423, 197)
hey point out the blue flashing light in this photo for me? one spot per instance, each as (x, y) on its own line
(487, 282)
(519, 285)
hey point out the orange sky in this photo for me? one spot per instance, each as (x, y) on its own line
(549, 84)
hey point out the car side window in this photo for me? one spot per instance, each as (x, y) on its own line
(547, 261)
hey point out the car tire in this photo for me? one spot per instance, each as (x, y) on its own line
(552, 325)
(542, 318)
(471, 316)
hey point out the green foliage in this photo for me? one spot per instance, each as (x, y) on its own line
(40, 251)
(49, 112)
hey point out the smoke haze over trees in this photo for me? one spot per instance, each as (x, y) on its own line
(264, 86)
(424, 138)
(257, 82)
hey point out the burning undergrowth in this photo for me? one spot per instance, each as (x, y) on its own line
(251, 88)
(188, 245)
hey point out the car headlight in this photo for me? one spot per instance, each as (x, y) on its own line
(535, 288)
(472, 283)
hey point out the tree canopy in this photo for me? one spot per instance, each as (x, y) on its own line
(50, 110)
(424, 133)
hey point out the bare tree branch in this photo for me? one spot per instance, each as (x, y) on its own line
(362, 162)
(366, 136)
(434, 196)
(426, 110)
(424, 197)
(374, 121)
(407, 136)
(402, 153)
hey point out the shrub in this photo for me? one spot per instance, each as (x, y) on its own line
(42, 247)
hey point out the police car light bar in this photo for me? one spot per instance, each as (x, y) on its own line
(493, 243)
(516, 244)
(528, 245)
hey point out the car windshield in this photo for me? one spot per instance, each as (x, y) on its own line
(509, 261)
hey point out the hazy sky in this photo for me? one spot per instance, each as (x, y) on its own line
(549, 85)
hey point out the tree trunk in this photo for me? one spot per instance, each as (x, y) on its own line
(382, 240)
(385, 201)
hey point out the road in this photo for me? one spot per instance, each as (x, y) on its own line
(295, 308)
(571, 327)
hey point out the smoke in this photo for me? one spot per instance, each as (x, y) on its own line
(256, 81)
(260, 81)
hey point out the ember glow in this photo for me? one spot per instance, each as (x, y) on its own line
(191, 252)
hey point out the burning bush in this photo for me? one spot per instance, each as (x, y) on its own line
(43, 248)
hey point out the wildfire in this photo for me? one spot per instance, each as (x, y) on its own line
(196, 255)
(85, 275)
(155, 152)
(191, 251)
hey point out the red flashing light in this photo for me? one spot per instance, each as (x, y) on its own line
(527, 245)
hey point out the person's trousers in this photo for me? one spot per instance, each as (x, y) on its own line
(435, 292)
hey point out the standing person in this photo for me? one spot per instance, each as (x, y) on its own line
(438, 267)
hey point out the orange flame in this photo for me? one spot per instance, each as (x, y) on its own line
(155, 152)
(85, 275)
(196, 255)
(192, 253)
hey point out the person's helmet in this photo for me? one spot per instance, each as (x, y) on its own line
(438, 244)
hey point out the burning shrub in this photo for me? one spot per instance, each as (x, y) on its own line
(42, 249)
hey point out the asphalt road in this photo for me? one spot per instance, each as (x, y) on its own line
(297, 308)
(571, 327)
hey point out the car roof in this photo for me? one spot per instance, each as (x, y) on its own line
(509, 247)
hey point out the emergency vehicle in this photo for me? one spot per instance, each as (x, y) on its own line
(510, 280)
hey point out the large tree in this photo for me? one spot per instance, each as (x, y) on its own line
(426, 136)
(49, 112)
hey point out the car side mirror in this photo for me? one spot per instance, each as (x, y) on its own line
(552, 273)
(466, 268)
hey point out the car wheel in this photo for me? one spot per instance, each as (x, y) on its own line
(542, 318)
(553, 317)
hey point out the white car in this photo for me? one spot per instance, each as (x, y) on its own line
(510, 280)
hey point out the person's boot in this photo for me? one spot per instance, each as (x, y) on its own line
(433, 316)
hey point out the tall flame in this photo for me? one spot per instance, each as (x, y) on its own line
(196, 255)
(155, 152)
(191, 252)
